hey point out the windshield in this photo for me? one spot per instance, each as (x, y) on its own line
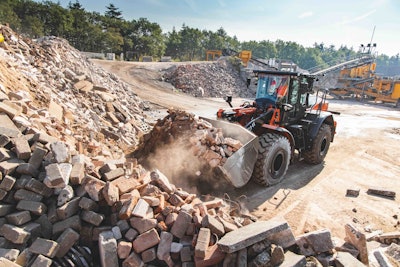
(270, 87)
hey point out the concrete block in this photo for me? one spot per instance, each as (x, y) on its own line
(314, 243)
(110, 193)
(125, 184)
(7, 126)
(293, 260)
(202, 244)
(146, 241)
(123, 226)
(113, 174)
(213, 256)
(242, 258)
(65, 195)
(143, 224)
(124, 249)
(73, 222)
(18, 218)
(7, 183)
(77, 173)
(4, 140)
(358, 240)
(56, 111)
(5, 154)
(381, 258)
(140, 209)
(36, 208)
(88, 204)
(14, 234)
(5, 209)
(181, 224)
(9, 254)
(9, 166)
(22, 194)
(55, 176)
(253, 233)
(107, 250)
(162, 181)
(133, 261)
(149, 255)
(92, 217)
(186, 254)
(344, 259)
(37, 156)
(116, 232)
(45, 247)
(46, 227)
(42, 261)
(60, 152)
(176, 200)
(214, 225)
(7, 263)
(93, 187)
(33, 228)
(131, 234)
(22, 148)
(38, 187)
(164, 247)
(65, 241)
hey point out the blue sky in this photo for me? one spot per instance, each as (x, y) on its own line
(333, 22)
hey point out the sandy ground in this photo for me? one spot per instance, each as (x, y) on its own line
(365, 154)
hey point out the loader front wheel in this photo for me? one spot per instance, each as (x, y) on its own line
(320, 146)
(273, 159)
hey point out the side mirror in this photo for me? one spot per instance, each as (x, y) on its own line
(228, 100)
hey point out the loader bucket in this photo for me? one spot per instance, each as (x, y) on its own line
(239, 167)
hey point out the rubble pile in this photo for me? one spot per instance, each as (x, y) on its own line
(70, 197)
(204, 140)
(188, 150)
(215, 79)
(90, 103)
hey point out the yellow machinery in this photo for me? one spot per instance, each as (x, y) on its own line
(213, 54)
(362, 81)
(244, 55)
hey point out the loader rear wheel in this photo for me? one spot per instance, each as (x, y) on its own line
(273, 159)
(320, 146)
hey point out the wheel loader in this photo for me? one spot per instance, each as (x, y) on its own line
(288, 118)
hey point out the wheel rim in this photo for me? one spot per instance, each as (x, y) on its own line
(277, 164)
(323, 147)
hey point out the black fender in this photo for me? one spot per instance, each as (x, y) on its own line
(326, 118)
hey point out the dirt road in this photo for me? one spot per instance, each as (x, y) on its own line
(365, 154)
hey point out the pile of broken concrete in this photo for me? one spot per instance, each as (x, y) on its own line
(70, 197)
(213, 79)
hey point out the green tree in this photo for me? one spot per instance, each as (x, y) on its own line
(191, 44)
(147, 38)
(173, 44)
(8, 15)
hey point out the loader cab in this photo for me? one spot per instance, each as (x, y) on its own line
(271, 88)
(288, 91)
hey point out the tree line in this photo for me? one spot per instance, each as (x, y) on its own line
(110, 32)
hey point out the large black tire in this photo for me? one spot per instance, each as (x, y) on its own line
(320, 146)
(273, 159)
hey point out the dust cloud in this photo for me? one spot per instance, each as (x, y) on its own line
(177, 161)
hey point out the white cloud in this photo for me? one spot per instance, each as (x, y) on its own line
(305, 15)
(358, 18)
